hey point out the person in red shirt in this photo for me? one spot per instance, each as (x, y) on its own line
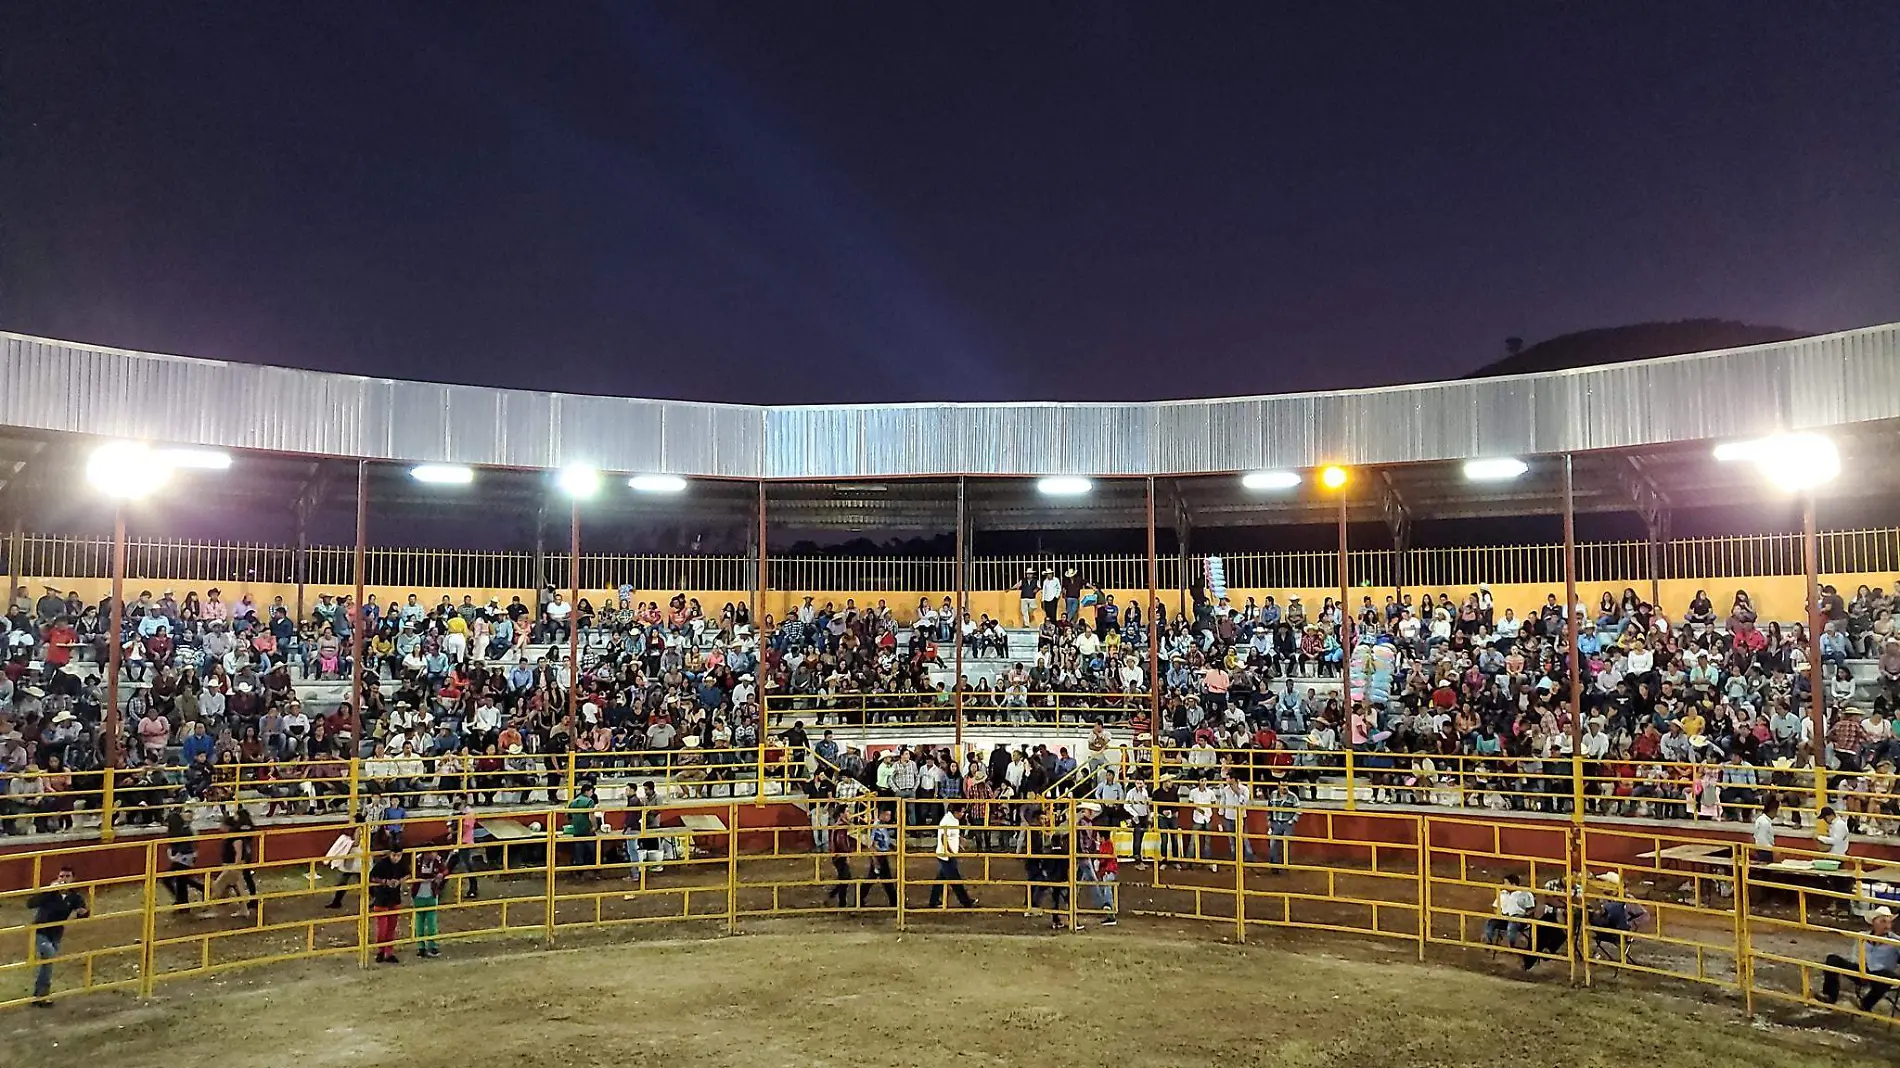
(60, 639)
(1106, 867)
(1647, 745)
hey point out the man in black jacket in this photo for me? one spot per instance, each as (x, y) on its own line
(52, 907)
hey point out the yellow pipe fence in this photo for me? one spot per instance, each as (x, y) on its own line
(1602, 903)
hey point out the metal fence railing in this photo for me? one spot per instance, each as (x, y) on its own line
(1867, 551)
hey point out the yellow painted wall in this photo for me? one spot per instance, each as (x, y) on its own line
(1776, 597)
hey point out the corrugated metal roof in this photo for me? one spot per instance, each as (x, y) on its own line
(1824, 381)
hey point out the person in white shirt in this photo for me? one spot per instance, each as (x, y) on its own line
(1831, 831)
(1135, 804)
(1202, 797)
(558, 612)
(949, 845)
(1234, 798)
(1515, 906)
(1765, 829)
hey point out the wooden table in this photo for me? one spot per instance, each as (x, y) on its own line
(1715, 856)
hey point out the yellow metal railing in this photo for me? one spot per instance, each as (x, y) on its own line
(1591, 899)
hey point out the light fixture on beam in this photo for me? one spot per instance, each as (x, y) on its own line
(443, 474)
(579, 482)
(1333, 476)
(1790, 461)
(1497, 469)
(1064, 486)
(1270, 480)
(127, 470)
(657, 483)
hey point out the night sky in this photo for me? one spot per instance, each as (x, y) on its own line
(860, 202)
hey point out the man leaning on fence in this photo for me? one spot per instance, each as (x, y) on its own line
(1879, 955)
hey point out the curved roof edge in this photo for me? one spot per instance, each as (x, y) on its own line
(1808, 383)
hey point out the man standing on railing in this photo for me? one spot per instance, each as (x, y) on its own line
(1878, 954)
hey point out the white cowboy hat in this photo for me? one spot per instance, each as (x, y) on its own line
(691, 741)
(514, 750)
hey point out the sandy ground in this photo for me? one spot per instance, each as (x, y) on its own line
(850, 996)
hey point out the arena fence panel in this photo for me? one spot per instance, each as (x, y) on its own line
(1686, 886)
(1604, 900)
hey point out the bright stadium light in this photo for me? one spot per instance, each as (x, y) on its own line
(196, 459)
(1790, 461)
(1064, 486)
(127, 470)
(1499, 469)
(443, 474)
(579, 482)
(1333, 477)
(1270, 480)
(657, 483)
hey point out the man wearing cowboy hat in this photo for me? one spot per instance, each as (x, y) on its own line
(1875, 954)
(1051, 593)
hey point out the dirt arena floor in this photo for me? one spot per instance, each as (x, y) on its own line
(859, 997)
(642, 975)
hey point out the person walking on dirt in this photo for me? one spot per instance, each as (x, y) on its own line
(345, 857)
(949, 845)
(841, 846)
(52, 907)
(182, 854)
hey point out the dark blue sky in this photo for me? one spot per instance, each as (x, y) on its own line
(875, 201)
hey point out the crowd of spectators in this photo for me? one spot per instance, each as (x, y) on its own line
(470, 692)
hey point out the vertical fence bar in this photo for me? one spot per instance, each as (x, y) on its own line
(551, 838)
(1345, 618)
(903, 860)
(360, 563)
(1817, 691)
(573, 614)
(1154, 632)
(963, 609)
(1571, 625)
(148, 952)
(115, 654)
(732, 862)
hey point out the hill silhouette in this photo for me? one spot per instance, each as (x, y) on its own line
(1638, 341)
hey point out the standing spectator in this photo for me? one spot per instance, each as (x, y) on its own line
(52, 907)
(1283, 818)
(385, 900)
(949, 846)
(432, 872)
